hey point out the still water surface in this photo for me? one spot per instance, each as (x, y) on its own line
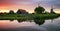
(48, 25)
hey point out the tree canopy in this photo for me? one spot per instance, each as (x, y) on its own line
(21, 11)
(11, 12)
(39, 10)
(18, 11)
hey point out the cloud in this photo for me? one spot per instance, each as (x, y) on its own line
(28, 1)
(55, 3)
(13, 1)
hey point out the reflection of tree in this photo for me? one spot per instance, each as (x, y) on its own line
(11, 20)
(52, 20)
(39, 22)
(19, 21)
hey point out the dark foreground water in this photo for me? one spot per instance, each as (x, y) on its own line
(49, 25)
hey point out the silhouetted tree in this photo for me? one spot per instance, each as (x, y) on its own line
(21, 11)
(1, 13)
(11, 12)
(18, 11)
(39, 10)
(11, 20)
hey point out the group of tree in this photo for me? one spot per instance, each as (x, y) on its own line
(37, 10)
(40, 10)
(19, 11)
(11, 12)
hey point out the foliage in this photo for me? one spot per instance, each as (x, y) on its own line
(19, 11)
(28, 16)
(11, 12)
(39, 10)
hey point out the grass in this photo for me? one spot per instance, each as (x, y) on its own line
(46, 16)
(27, 16)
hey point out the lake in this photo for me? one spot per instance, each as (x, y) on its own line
(14, 25)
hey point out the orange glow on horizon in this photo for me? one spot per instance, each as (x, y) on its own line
(28, 8)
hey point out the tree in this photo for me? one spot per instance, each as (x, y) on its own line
(11, 12)
(39, 10)
(19, 11)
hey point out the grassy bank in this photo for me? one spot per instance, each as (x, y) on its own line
(46, 16)
(27, 16)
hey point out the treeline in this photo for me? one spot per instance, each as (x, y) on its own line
(39, 15)
(37, 10)
(19, 11)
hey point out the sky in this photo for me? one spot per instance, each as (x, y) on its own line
(29, 5)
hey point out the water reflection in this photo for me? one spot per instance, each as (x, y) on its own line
(11, 20)
(45, 25)
(39, 22)
(6, 25)
(52, 20)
